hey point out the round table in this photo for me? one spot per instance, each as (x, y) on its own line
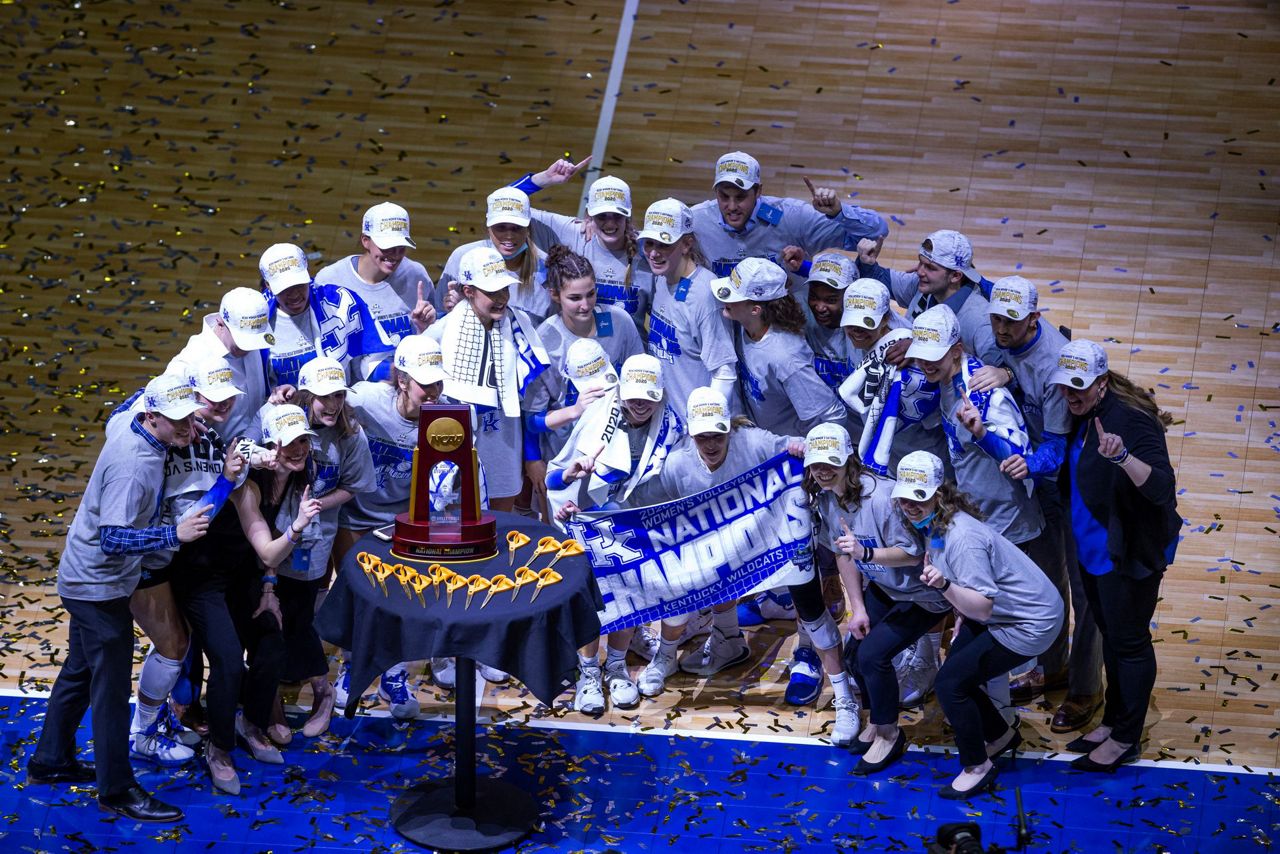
(536, 641)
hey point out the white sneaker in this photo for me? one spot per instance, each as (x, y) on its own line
(445, 672)
(644, 643)
(170, 726)
(718, 653)
(342, 686)
(622, 691)
(152, 745)
(848, 722)
(588, 696)
(653, 679)
(491, 674)
(697, 624)
(394, 689)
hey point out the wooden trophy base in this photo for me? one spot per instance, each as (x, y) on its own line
(445, 542)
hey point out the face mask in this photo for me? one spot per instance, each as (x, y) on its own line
(517, 253)
(924, 523)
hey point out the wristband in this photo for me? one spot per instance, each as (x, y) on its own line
(293, 532)
(1009, 370)
(868, 554)
(1119, 459)
(268, 579)
(946, 585)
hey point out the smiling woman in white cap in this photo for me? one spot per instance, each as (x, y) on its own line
(1124, 515)
(687, 332)
(741, 222)
(720, 448)
(396, 288)
(240, 329)
(1008, 611)
(607, 239)
(507, 218)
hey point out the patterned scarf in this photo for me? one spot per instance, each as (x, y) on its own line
(491, 368)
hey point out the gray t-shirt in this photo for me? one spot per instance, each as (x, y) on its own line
(686, 474)
(689, 334)
(248, 373)
(878, 523)
(391, 440)
(390, 302)
(296, 340)
(611, 268)
(618, 338)
(126, 489)
(1026, 609)
(1043, 405)
(970, 306)
(340, 462)
(780, 389)
(531, 297)
(1006, 503)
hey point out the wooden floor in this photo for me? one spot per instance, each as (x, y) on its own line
(1120, 154)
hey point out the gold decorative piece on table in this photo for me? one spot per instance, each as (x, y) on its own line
(569, 548)
(420, 583)
(515, 539)
(369, 563)
(497, 584)
(475, 584)
(546, 578)
(439, 575)
(403, 573)
(523, 576)
(455, 582)
(546, 545)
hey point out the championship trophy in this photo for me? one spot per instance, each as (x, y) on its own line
(444, 436)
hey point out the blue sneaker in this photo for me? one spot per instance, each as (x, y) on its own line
(152, 745)
(394, 689)
(770, 605)
(805, 683)
(342, 686)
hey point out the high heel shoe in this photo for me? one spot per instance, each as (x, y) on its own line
(1011, 748)
(264, 752)
(987, 783)
(1087, 763)
(1082, 745)
(321, 714)
(895, 753)
(227, 786)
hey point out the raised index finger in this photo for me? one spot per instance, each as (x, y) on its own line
(583, 162)
(421, 298)
(809, 184)
(845, 526)
(1097, 422)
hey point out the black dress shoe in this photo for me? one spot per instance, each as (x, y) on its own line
(136, 804)
(1081, 745)
(987, 783)
(895, 753)
(859, 747)
(76, 772)
(1086, 763)
(1076, 711)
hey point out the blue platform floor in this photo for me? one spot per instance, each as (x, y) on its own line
(613, 790)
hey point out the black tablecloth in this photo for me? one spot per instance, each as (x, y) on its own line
(536, 643)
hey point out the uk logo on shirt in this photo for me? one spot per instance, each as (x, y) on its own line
(750, 385)
(663, 343)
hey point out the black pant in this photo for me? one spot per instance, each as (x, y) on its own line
(304, 651)
(1123, 607)
(975, 656)
(894, 627)
(203, 601)
(263, 641)
(97, 674)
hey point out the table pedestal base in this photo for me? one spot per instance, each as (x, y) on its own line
(427, 815)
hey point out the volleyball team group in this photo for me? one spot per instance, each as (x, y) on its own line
(993, 507)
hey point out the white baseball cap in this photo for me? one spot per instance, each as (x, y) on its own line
(283, 423)
(739, 169)
(920, 474)
(1014, 297)
(827, 443)
(587, 366)
(507, 204)
(322, 375)
(172, 395)
(935, 331)
(833, 269)
(214, 379)
(666, 221)
(609, 195)
(1079, 364)
(387, 225)
(952, 250)
(641, 378)
(708, 412)
(419, 356)
(866, 302)
(283, 266)
(485, 268)
(757, 279)
(244, 311)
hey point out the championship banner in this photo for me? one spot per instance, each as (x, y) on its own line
(748, 534)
